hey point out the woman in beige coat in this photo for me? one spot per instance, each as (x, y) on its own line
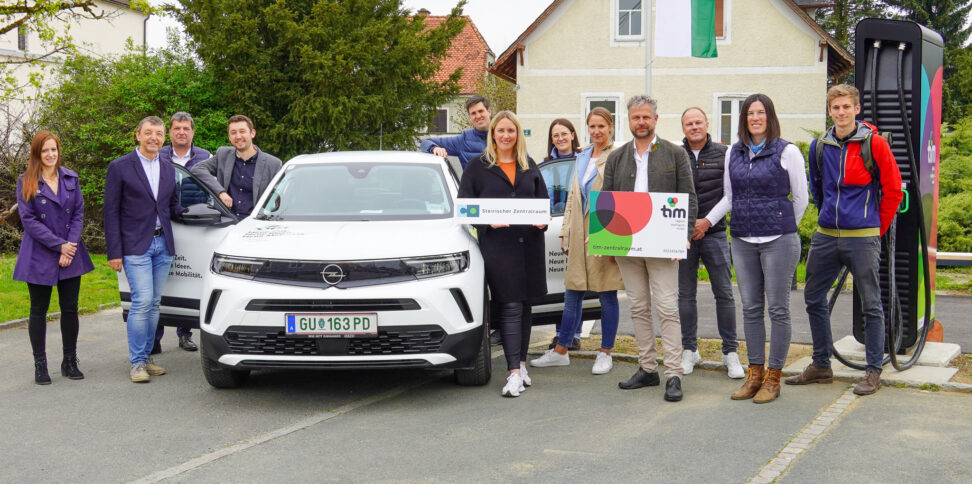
(586, 272)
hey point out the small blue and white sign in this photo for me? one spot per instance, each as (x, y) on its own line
(505, 211)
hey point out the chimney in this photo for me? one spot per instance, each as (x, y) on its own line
(423, 11)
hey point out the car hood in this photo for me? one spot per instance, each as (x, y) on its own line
(351, 240)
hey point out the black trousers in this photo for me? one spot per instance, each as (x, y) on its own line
(515, 323)
(40, 301)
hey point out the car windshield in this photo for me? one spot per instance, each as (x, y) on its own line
(359, 191)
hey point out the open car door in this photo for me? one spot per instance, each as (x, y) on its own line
(558, 174)
(196, 236)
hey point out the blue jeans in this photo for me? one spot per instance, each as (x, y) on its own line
(764, 272)
(713, 250)
(146, 275)
(862, 256)
(573, 311)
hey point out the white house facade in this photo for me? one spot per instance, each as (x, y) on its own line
(579, 54)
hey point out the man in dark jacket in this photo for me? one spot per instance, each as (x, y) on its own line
(182, 152)
(709, 244)
(139, 205)
(470, 143)
(240, 173)
(849, 232)
(650, 164)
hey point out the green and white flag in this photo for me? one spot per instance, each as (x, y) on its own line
(685, 28)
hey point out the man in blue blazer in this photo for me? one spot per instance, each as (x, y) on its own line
(184, 153)
(140, 200)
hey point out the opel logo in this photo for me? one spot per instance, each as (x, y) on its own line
(332, 274)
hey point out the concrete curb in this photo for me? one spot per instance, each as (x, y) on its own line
(717, 366)
(51, 316)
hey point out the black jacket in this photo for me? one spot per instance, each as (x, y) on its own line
(708, 170)
(514, 255)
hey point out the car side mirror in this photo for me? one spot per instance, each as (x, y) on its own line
(201, 214)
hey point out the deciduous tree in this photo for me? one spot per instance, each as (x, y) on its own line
(51, 21)
(320, 75)
(98, 101)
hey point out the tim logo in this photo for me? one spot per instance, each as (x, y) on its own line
(670, 211)
(468, 210)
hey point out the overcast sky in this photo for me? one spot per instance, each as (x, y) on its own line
(500, 21)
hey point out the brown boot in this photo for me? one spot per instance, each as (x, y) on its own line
(771, 387)
(754, 378)
(869, 384)
(811, 374)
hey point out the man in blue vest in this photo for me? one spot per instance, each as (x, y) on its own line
(471, 142)
(181, 151)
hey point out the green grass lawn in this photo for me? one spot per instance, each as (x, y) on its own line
(99, 286)
(801, 272)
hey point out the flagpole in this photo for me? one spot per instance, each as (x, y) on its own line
(649, 30)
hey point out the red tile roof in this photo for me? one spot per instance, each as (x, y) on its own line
(469, 51)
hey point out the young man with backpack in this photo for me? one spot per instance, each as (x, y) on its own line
(856, 186)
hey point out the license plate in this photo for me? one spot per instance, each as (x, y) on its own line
(332, 325)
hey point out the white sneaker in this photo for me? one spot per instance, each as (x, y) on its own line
(525, 377)
(689, 360)
(551, 358)
(732, 364)
(513, 385)
(602, 363)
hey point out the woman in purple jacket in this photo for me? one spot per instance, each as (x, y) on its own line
(51, 252)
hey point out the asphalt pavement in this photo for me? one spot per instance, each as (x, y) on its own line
(407, 426)
(952, 311)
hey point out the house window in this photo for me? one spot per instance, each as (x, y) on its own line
(729, 109)
(611, 102)
(441, 122)
(22, 38)
(629, 19)
(720, 19)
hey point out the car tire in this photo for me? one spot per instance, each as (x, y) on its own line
(482, 370)
(220, 377)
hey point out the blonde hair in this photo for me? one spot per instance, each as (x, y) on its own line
(519, 149)
(606, 116)
(843, 90)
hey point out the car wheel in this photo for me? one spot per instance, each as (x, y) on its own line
(221, 377)
(482, 370)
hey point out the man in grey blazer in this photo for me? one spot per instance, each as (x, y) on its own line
(238, 173)
(650, 164)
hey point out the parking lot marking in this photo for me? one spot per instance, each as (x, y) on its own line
(238, 447)
(808, 435)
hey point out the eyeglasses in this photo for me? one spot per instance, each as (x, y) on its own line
(561, 136)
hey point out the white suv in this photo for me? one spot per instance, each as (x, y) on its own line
(349, 260)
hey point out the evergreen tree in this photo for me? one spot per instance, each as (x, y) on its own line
(321, 75)
(948, 17)
(841, 17)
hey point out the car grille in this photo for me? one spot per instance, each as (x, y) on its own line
(298, 305)
(391, 341)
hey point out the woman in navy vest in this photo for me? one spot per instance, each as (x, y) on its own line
(766, 189)
(51, 253)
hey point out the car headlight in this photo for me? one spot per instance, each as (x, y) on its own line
(241, 267)
(439, 265)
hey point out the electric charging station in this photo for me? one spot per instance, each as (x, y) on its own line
(899, 74)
